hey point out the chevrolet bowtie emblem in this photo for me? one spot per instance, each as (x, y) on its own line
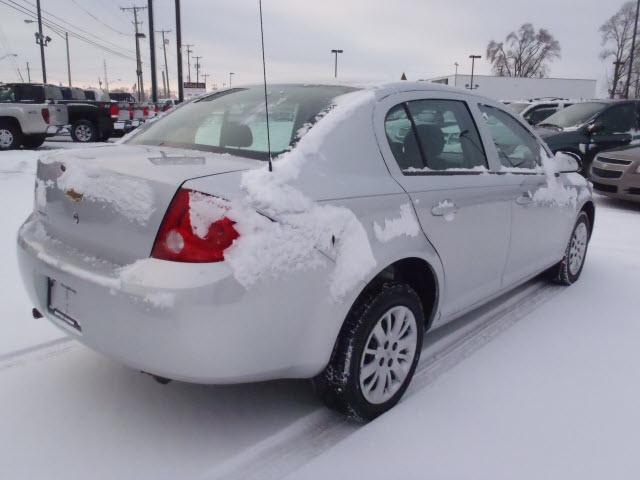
(73, 195)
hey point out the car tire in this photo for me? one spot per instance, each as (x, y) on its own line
(33, 141)
(10, 136)
(568, 271)
(84, 131)
(366, 351)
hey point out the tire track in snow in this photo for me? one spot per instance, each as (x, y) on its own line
(307, 438)
(38, 352)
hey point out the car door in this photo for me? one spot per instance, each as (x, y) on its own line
(433, 149)
(616, 127)
(539, 222)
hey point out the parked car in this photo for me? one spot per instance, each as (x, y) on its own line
(537, 110)
(128, 106)
(179, 254)
(89, 121)
(72, 93)
(166, 104)
(616, 173)
(26, 119)
(589, 128)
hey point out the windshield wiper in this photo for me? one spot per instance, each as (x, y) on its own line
(552, 125)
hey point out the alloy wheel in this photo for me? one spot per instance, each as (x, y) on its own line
(6, 138)
(388, 355)
(578, 248)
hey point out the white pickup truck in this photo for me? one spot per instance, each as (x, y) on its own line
(27, 124)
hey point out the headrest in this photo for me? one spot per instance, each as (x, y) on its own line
(233, 134)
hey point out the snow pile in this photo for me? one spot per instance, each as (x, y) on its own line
(406, 224)
(131, 197)
(554, 193)
(294, 227)
(205, 210)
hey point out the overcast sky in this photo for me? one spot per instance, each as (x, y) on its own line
(381, 38)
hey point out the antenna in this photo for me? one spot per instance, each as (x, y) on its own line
(266, 101)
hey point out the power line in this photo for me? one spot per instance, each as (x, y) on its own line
(99, 20)
(59, 29)
(71, 25)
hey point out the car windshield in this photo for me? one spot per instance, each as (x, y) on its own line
(234, 121)
(517, 107)
(575, 115)
(7, 94)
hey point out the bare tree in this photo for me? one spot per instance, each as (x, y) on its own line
(524, 53)
(616, 34)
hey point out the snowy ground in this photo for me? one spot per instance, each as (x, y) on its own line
(543, 383)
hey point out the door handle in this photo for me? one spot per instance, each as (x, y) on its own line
(525, 199)
(444, 208)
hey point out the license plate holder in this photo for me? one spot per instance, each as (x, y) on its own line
(61, 300)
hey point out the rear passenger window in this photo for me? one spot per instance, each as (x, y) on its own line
(434, 135)
(517, 147)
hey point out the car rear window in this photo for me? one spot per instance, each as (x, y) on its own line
(234, 121)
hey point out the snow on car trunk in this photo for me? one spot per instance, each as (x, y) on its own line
(108, 202)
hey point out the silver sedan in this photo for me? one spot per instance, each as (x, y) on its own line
(220, 244)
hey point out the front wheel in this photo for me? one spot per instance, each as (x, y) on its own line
(9, 136)
(569, 269)
(376, 353)
(84, 131)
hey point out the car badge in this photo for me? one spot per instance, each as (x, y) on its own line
(73, 195)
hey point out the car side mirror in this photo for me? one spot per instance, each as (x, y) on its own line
(595, 127)
(567, 162)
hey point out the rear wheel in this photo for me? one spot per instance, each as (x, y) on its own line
(84, 131)
(10, 136)
(569, 269)
(33, 141)
(376, 353)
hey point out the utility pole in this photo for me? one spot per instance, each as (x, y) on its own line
(66, 39)
(633, 48)
(152, 51)
(179, 52)
(197, 69)
(166, 67)
(205, 75)
(336, 52)
(28, 72)
(106, 79)
(164, 84)
(231, 74)
(189, 52)
(455, 79)
(616, 76)
(473, 64)
(139, 35)
(41, 41)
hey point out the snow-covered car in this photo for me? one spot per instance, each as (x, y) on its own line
(390, 210)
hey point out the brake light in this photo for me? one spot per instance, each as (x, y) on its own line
(114, 110)
(46, 115)
(195, 229)
(145, 111)
(131, 111)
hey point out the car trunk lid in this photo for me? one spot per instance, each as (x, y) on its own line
(108, 202)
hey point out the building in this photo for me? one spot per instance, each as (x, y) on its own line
(518, 88)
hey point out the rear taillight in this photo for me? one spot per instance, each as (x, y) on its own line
(46, 115)
(130, 111)
(114, 110)
(145, 111)
(195, 229)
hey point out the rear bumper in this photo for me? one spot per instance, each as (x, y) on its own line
(187, 322)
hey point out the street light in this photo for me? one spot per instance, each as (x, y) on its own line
(336, 52)
(473, 64)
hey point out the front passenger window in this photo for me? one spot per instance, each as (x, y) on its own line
(517, 147)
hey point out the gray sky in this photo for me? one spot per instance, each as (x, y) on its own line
(381, 39)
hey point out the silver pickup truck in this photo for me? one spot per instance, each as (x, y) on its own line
(27, 124)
